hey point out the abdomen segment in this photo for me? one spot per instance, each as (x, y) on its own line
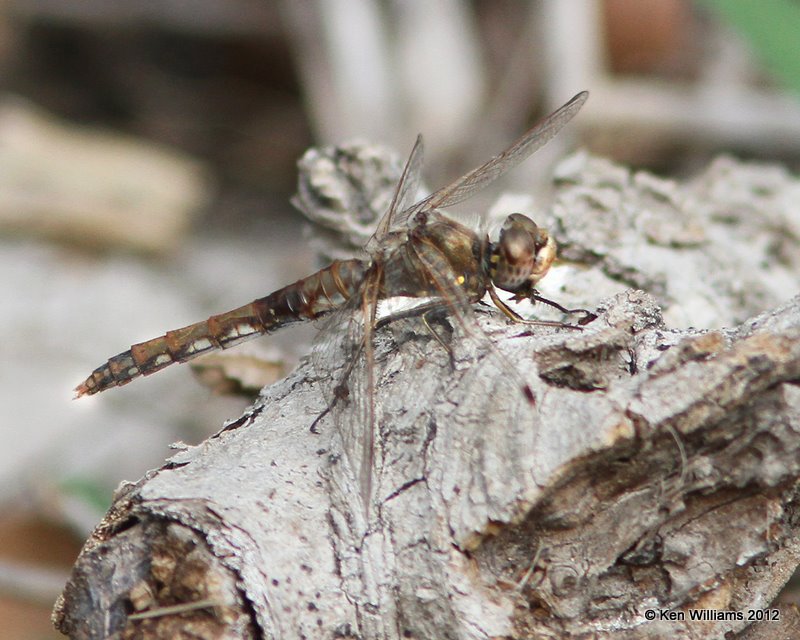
(306, 299)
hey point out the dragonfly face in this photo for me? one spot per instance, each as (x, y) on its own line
(522, 256)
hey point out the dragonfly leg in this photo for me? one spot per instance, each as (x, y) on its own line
(421, 309)
(515, 317)
(341, 391)
(313, 428)
(427, 312)
(588, 316)
(426, 318)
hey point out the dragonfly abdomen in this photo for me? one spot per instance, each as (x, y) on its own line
(305, 299)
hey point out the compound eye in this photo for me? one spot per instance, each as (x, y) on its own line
(519, 237)
(523, 254)
(520, 222)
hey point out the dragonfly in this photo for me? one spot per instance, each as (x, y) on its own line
(415, 252)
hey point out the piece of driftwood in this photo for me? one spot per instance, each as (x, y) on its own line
(92, 188)
(650, 490)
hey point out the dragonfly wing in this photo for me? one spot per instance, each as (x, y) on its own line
(470, 183)
(405, 191)
(340, 338)
(349, 390)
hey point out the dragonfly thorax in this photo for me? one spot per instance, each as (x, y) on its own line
(522, 256)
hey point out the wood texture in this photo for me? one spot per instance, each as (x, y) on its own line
(656, 471)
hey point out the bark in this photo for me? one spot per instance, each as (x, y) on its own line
(656, 469)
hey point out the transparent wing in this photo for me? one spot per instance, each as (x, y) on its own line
(406, 189)
(469, 184)
(349, 390)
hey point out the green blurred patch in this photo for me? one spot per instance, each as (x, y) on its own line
(772, 27)
(88, 491)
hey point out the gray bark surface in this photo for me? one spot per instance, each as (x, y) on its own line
(656, 470)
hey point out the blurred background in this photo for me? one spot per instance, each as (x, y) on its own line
(148, 154)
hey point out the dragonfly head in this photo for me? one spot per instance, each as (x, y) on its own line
(522, 256)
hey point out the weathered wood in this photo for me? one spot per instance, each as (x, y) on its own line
(656, 471)
(91, 188)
